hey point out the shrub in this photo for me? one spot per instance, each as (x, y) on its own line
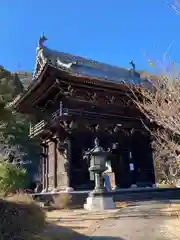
(62, 201)
(21, 218)
(12, 178)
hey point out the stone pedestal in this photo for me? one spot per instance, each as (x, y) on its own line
(99, 203)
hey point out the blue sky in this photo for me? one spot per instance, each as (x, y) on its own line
(112, 31)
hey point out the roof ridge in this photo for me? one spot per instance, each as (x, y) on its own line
(83, 66)
(87, 61)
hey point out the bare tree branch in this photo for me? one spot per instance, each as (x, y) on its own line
(175, 6)
(160, 104)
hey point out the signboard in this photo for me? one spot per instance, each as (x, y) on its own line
(131, 167)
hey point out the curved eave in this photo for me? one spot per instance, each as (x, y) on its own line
(98, 82)
(33, 86)
(19, 104)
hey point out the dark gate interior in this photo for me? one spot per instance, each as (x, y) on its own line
(143, 159)
(138, 144)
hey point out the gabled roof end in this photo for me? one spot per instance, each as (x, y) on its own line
(40, 59)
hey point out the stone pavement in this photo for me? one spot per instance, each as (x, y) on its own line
(149, 220)
(144, 221)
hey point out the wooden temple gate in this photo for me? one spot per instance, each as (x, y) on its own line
(62, 169)
(69, 109)
(65, 141)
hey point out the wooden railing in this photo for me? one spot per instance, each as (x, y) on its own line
(59, 113)
(34, 130)
(87, 114)
(38, 127)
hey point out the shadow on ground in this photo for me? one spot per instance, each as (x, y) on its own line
(54, 232)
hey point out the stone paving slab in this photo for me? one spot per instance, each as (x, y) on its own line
(139, 229)
(140, 222)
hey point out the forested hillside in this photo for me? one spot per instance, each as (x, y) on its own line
(14, 128)
(24, 77)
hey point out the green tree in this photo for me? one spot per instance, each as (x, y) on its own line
(16, 133)
(14, 128)
(5, 115)
(6, 95)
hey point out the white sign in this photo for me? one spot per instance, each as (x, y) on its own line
(131, 167)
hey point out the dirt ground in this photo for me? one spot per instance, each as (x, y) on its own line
(79, 224)
(79, 220)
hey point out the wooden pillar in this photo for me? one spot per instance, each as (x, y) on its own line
(63, 161)
(43, 170)
(55, 164)
(44, 166)
(47, 169)
(69, 161)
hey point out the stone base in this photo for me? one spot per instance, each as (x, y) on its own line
(55, 190)
(95, 203)
(69, 190)
(44, 191)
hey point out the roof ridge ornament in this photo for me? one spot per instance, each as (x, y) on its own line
(40, 58)
(41, 42)
(65, 65)
(133, 65)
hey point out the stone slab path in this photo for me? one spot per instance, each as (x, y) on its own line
(143, 221)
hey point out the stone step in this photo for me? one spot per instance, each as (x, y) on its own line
(151, 194)
(124, 195)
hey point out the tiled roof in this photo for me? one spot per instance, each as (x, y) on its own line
(86, 67)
